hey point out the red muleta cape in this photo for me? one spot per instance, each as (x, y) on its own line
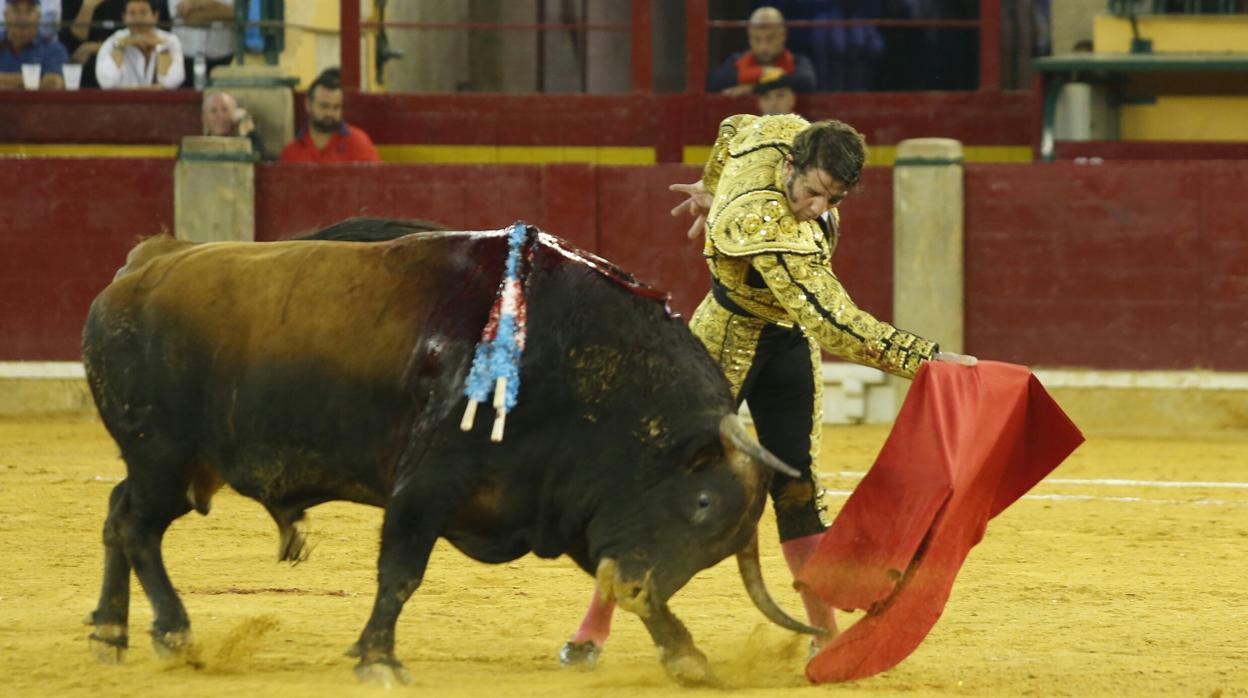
(967, 443)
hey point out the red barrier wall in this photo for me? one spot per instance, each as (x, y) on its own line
(65, 228)
(621, 213)
(99, 116)
(1138, 265)
(617, 212)
(1134, 265)
(664, 122)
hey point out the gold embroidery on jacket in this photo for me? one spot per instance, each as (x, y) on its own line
(750, 225)
(809, 291)
(730, 338)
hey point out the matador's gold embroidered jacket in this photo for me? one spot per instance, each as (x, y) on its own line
(750, 227)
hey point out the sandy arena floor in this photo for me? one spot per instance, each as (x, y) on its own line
(1083, 588)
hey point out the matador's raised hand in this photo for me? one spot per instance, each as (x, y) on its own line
(698, 205)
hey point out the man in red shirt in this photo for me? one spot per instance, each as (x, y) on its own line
(328, 138)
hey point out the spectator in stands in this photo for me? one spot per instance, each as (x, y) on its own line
(205, 28)
(766, 60)
(50, 23)
(22, 44)
(775, 97)
(223, 117)
(90, 23)
(327, 138)
(847, 59)
(140, 56)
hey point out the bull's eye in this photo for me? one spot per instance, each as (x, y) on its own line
(704, 500)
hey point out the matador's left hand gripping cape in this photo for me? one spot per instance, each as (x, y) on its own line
(778, 269)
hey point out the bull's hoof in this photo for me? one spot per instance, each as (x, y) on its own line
(690, 669)
(177, 646)
(108, 643)
(172, 643)
(579, 655)
(383, 672)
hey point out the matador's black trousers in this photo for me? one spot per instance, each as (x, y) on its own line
(773, 369)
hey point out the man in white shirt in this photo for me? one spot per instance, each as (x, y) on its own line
(205, 28)
(140, 56)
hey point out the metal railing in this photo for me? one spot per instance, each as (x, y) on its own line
(1124, 8)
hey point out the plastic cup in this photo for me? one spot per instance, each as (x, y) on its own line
(30, 75)
(73, 75)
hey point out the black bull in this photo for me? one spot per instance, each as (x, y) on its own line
(308, 371)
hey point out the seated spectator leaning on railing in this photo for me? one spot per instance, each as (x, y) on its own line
(205, 27)
(140, 56)
(766, 60)
(22, 44)
(90, 22)
(223, 117)
(327, 138)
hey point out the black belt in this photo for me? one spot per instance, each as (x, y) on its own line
(720, 294)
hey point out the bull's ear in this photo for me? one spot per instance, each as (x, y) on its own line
(705, 457)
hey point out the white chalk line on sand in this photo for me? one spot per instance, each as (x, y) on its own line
(1151, 483)
(1115, 482)
(1112, 482)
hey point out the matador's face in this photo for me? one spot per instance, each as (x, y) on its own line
(813, 192)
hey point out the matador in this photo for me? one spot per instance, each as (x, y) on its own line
(767, 204)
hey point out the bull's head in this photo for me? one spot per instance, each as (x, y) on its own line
(648, 544)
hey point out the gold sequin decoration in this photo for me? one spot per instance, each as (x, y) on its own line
(732, 339)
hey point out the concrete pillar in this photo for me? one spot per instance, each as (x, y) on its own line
(927, 243)
(266, 92)
(214, 193)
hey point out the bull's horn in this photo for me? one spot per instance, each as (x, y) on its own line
(752, 574)
(733, 429)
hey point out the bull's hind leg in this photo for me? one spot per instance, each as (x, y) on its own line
(154, 496)
(586, 645)
(111, 616)
(683, 662)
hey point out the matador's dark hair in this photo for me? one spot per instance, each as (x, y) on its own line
(833, 146)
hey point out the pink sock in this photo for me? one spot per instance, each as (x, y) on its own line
(796, 553)
(596, 625)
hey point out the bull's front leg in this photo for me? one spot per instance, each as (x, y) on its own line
(408, 533)
(682, 660)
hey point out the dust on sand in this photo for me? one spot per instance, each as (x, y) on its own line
(1090, 589)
